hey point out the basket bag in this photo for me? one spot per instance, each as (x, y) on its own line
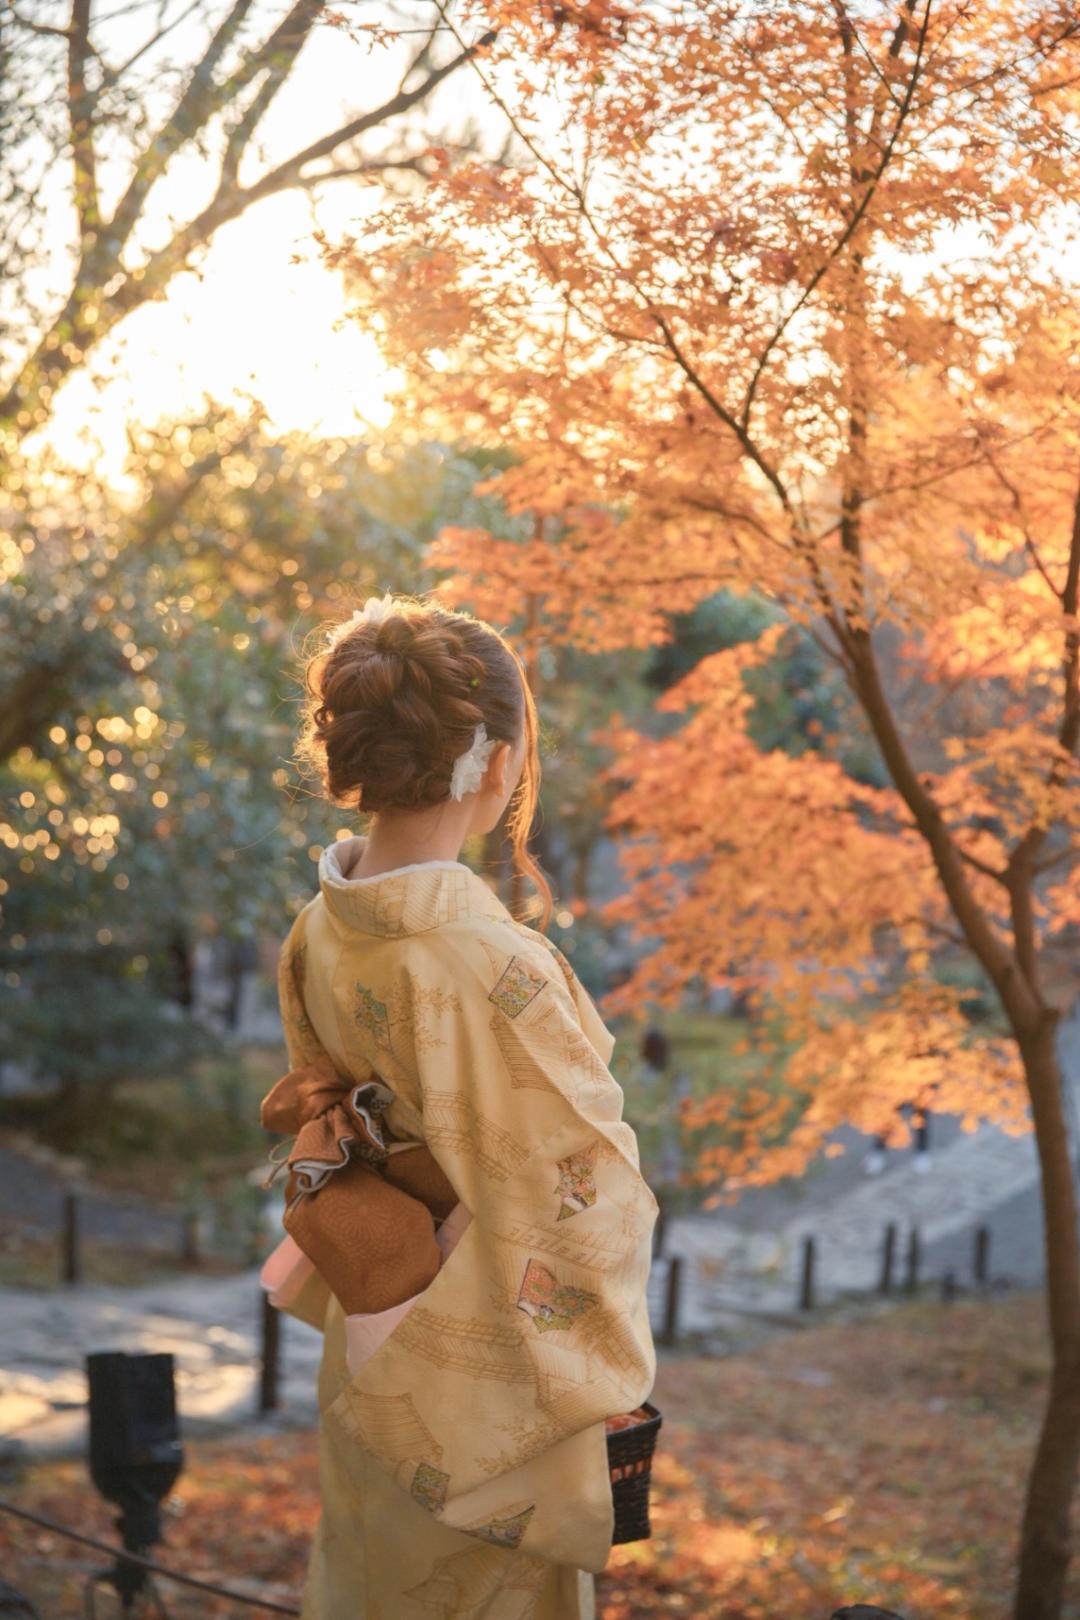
(631, 1442)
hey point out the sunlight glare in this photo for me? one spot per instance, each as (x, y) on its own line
(261, 318)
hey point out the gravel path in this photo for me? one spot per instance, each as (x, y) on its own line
(210, 1325)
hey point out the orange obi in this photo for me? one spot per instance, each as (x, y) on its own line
(362, 1207)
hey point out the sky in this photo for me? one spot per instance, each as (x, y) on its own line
(262, 316)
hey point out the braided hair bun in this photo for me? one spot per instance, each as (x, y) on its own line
(394, 700)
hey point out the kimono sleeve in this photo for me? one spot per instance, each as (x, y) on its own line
(308, 1301)
(487, 1402)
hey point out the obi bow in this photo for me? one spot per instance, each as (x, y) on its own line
(370, 1230)
(333, 1120)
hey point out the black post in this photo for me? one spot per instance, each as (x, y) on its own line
(670, 1330)
(189, 1238)
(134, 1454)
(914, 1255)
(70, 1258)
(948, 1287)
(888, 1259)
(806, 1287)
(982, 1256)
(271, 1356)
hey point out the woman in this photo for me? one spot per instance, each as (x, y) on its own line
(463, 1461)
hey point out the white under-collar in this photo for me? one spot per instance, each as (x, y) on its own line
(405, 899)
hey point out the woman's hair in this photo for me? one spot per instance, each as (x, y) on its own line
(391, 704)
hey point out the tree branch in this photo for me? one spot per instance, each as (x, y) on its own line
(287, 173)
(997, 873)
(422, 59)
(1018, 507)
(73, 333)
(275, 59)
(49, 29)
(853, 223)
(348, 171)
(113, 76)
(1016, 987)
(80, 110)
(231, 201)
(198, 103)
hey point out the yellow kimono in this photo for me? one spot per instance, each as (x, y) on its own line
(463, 1469)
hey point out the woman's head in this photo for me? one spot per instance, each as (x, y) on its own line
(395, 699)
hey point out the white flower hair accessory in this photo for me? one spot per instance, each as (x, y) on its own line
(470, 766)
(374, 611)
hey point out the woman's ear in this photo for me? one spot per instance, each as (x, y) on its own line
(498, 765)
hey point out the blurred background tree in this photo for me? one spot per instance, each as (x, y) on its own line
(108, 107)
(146, 608)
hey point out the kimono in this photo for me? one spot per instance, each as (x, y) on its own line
(462, 1453)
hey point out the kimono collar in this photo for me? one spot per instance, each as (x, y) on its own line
(406, 900)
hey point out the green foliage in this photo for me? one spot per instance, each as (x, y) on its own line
(148, 649)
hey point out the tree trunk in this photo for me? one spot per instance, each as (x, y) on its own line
(1044, 1537)
(182, 976)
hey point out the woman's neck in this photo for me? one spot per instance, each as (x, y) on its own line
(385, 848)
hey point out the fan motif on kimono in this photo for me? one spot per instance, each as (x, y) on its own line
(552, 1305)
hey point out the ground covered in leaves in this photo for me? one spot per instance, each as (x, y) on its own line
(879, 1460)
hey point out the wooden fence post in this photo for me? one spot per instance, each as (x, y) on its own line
(806, 1286)
(70, 1256)
(189, 1238)
(271, 1356)
(888, 1258)
(670, 1330)
(914, 1256)
(982, 1256)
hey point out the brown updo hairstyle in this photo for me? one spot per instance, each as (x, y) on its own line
(391, 704)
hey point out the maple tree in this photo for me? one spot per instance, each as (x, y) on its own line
(776, 300)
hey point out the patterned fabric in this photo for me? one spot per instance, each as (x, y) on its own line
(576, 1184)
(552, 1306)
(370, 1014)
(516, 987)
(464, 1467)
(429, 1486)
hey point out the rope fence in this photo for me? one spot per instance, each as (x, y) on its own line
(145, 1564)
